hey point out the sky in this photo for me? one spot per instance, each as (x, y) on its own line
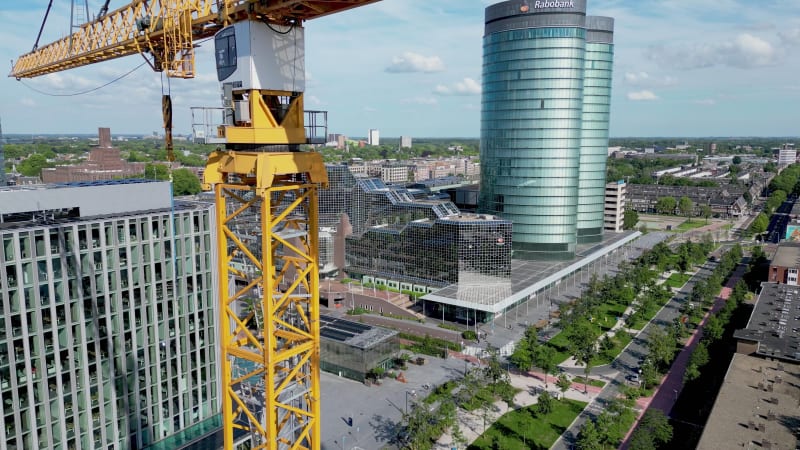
(692, 68)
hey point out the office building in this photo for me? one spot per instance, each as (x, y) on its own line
(395, 173)
(405, 141)
(614, 215)
(533, 135)
(109, 311)
(374, 137)
(412, 244)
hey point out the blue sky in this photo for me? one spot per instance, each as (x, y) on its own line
(413, 67)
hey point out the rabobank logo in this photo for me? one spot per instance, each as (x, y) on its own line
(553, 4)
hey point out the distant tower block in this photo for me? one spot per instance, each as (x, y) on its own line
(2, 158)
(374, 137)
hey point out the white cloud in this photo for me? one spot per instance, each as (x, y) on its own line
(313, 100)
(745, 51)
(25, 101)
(644, 79)
(642, 96)
(790, 37)
(420, 101)
(468, 86)
(705, 102)
(414, 62)
(370, 109)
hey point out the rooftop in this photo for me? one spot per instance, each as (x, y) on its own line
(775, 322)
(787, 255)
(494, 294)
(756, 406)
(353, 333)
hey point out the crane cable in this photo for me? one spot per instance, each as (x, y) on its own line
(88, 91)
(41, 28)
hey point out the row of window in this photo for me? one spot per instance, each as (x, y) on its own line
(535, 134)
(531, 34)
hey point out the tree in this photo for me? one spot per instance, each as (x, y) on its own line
(706, 212)
(459, 439)
(697, 360)
(32, 166)
(582, 344)
(653, 430)
(606, 427)
(630, 219)
(661, 346)
(156, 172)
(544, 404)
(184, 182)
(737, 160)
(544, 357)
(666, 205)
(522, 357)
(760, 224)
(563, 383)
(589, 438)
(686, 206)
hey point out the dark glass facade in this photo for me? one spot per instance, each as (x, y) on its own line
(532, 125)
(411, 242)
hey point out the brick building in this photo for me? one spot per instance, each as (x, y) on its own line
(104, 163)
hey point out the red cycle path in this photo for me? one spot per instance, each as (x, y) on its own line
(670, 388)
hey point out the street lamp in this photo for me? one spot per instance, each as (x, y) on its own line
(413, 394)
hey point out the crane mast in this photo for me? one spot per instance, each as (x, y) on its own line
(265, 190)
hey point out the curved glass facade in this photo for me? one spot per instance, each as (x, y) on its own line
(534, 126)
(594, 137)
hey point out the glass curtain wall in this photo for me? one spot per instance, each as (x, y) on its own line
(533, 68)
(594, 133)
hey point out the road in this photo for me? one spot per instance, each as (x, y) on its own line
(778, 222)
(629, 360)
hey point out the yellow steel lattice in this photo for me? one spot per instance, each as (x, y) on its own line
(268, 246)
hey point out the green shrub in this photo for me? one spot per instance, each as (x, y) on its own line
(469, 335)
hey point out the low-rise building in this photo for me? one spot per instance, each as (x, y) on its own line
(785, 264)
(725, 202)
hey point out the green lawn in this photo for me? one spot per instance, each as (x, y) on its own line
(621, 339)
(677, 280)
(522, 430)
(603, 321)
(560, 343)
(592, 382)
(690, 224)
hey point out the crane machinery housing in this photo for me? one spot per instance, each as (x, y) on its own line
(265, 190)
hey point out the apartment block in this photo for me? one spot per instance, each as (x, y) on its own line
(614, 213)
(108, 316)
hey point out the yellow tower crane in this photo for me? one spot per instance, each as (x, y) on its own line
(266, 200)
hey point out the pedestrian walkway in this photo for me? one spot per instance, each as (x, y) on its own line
(572, 363)
(531, 384)
(668, 391)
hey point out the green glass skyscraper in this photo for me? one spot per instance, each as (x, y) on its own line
(534, 123)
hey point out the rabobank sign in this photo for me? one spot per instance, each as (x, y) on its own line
(552, 4)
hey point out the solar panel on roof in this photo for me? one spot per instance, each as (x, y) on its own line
(353, 327)
(335, 335)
